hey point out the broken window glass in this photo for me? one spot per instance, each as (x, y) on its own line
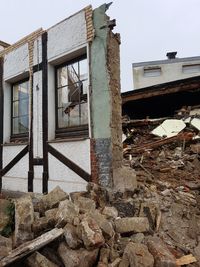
(20, 108)
(72, 86)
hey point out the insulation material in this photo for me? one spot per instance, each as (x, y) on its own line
(169, 128)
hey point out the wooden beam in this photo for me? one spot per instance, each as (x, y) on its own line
(13, 162)
(162, 91)
(70, 164)
(31, 246)
(45, 113)
(31, 168)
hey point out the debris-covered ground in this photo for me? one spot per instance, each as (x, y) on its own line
(150, 218)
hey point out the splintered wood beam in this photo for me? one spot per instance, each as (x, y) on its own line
(31, 246)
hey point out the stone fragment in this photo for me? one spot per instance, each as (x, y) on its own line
(98, 193)
(134, 224)
(51, 200)
(110, 212)
(4, 216)
(85, 204)
(50, 252)
(115, 263)
(77, 258)
(105, 225)
(137, 238)
(138, 255)
(160, 252)
(24, 217)
(38, 260)
(42, 224)
(67, 211)
(124, 179)
(125, 208)
(91, 233)
(51, 214)
(71, 236)
(104, 255)
(76, 195)
(5, 246)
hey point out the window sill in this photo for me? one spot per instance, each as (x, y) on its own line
(73, 132)
(68, 139)
(15, 144)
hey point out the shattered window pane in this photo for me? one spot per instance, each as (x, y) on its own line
(72, 86)
(20, 108)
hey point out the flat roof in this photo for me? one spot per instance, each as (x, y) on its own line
(165, 61)
(192, 83)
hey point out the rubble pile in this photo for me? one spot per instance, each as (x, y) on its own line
(165, 149)
(143, 226)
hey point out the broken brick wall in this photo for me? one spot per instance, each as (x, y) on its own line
(105, 100)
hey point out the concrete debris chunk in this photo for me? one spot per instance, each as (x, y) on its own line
(77, 258)
(162, 256)
(5, 246)
(138, 255)
(38, 260)
(91, 233)
(67, 211)
(24, 217)
(187, 259)
(134, 224)
(51, 200)
(71, 236)
(4, 216)
(169, 128)
(85, 204)
(124, 179)
(110, 212)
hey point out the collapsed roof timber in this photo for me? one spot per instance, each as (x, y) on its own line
(53, 85)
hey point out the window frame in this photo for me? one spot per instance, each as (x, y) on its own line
(20, 136)
(69, 131)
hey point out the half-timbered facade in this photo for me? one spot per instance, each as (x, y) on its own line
(60, 106)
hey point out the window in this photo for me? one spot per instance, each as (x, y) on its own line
(152, 72)
(195, 68)
(71, 98)
(20, 109)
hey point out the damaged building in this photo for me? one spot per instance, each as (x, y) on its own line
(61, 105)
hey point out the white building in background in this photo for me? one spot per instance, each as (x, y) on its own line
(161, 71)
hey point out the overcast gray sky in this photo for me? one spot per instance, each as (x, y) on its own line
(149, 28)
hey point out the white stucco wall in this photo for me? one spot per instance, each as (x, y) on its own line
(66, 36)
(169, 72)
(16, 178)
(37, 115)
(16, 63)
(65, 39)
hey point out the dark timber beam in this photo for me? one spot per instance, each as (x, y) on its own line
(45, 175)
(31, 168)
(14, 161)
(70, 164)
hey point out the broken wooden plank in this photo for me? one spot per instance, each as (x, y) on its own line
(187, 259)
(187, 136)
(31, 246)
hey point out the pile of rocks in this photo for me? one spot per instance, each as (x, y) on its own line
(99, 227)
